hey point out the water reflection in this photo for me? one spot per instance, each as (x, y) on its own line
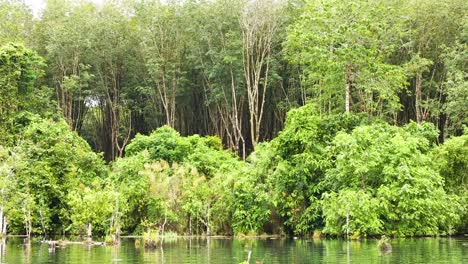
(2, 250)
(214, 250)
(27, 250)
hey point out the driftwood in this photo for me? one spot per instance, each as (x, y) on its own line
(61, 243)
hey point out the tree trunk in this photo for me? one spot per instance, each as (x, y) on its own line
(418, 97)
(90, 233)
(27, 222)
(259, 23)
(1, 219)
(4, 227)
(347, 223)
(2, 248)
(42, 223)
(208, 229)
(190, 224)
(116, 219)
(347, 86)
(164, 223)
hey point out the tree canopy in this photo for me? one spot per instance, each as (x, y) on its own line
(346, 118)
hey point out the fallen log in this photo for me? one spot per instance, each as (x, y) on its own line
(53, 243)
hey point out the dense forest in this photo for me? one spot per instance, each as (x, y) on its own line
(234, 117)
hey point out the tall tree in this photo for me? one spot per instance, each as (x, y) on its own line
(259, 22)
(457, 83)
(161, 28)
(64, 30)
(16, 22)
(432, 29)
(343, 48)
(113, 50)
(218, 50)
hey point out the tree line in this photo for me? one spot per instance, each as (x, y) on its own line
(234, 68)
(343, 117)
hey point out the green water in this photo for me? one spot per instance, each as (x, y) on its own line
(431, 250)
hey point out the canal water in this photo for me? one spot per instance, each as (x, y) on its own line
(218, 250)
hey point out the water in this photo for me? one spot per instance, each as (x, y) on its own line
(429, 250)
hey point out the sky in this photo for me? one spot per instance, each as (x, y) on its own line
(38, 5)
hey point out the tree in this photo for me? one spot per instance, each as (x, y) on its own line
(293, 166)
(163, 42)
(218, 52)
(259, 21)
(343, 48)
(452, 163)
(429, 36)
(54, 162)
(64, 32)
(20, 90)
(450, 160)
(7, 187)
(114, 51)
(16, 22)
(393, 165)
(90, 207)
(456, 83)
(351, 212)
(251, 205)
(132, 189)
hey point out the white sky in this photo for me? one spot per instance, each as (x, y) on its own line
(38, 5)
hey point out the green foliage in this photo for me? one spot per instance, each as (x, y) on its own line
(321, 170)
(8, 183)
(251, 205)
(163, 144)
(348, 43)
(452, 161)
(205, 153)
(132, 189)
(20, 70)
(359, 207)
(393, 165)
(300, 163)
(91, 205)
(457, 84)
(215, 68)
(363, 155)
(166, 178)
(433, 47)
(15, 21)
(53, 163)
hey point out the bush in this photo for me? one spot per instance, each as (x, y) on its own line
(393, 165)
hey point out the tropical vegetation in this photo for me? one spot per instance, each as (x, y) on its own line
(234, 117)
